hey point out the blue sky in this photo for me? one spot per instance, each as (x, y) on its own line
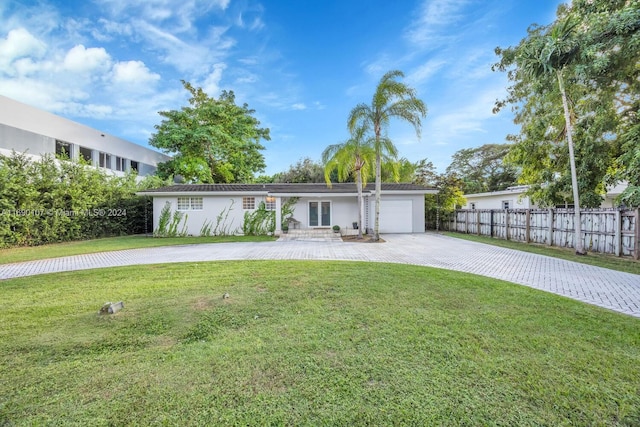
(302, 65)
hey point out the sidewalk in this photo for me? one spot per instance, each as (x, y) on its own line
(594, 285)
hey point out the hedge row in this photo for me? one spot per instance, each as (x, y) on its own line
(48, 200)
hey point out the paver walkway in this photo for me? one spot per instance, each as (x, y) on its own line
(594, 285)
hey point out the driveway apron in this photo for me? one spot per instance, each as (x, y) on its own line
(606, 288)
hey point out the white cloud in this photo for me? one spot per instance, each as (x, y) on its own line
(82, 60)
(19, 43)
(436, 19)
(424, 72)
(186, 56)
(112, 29)
(211, 84)
(133, 72)
(453, 123)
(176, 16)
(379, 66)
(251, 18)
(250, 60)
(49, 96)
(247, 78)
(298, 106)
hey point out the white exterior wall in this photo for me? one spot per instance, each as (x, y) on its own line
(495, 200)
(345, 212)
(212, 206)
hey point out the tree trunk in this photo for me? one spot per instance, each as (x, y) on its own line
(376, 226)
(360, 202)
(579, 247)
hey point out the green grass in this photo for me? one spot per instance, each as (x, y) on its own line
(112, 244)
(309, 343)
(627, 265)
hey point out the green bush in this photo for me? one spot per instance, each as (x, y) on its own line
(259, 222)
(48, 201)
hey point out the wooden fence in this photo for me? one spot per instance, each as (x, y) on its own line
(608, 231)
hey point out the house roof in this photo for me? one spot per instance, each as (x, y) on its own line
(339, 188)
(517, 189)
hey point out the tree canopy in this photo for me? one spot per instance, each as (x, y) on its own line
(483, 169)
(598, 60)
(211, 140)
(304, 171)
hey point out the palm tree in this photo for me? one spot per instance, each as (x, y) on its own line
(392, 99)
(551, 54)
(353, 156)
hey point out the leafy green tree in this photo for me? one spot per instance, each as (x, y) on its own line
(450, 197)
(483, 168)
(629, 163)
(212, 140)
(391, 100)
(425, 173)
(304, 171)
(352, 157)
(586, 61)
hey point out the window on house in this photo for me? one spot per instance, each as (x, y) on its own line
(134, 166)
(105, 160)
(183, 203)
(473, 205)
(63, 149)
(196, 203)
(190, 203)
(86, 154)
(248, 203)
(506, 204)
(270, 203)
(121, 164)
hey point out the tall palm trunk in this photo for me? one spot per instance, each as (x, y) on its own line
(376, 226)
(574, 176)
(360, 202)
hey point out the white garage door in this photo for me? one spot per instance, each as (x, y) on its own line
(396, 216)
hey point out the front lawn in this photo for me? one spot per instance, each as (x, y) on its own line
(32, 253)
(309, 343)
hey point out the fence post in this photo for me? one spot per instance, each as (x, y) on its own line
(466, 222)
(550, 218)
(527, 226)
(478, 223)
(455, 220)
(618, 233)
(491, 224)
(506, 224)
(636, 244)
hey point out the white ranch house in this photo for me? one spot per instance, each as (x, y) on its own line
(317, 206)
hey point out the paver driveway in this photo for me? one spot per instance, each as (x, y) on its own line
(606, 288)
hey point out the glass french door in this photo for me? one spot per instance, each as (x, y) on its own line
(319, 214)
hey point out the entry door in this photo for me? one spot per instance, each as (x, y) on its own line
(319, 214)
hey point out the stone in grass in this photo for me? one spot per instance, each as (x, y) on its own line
(225, 295)
(111, 307)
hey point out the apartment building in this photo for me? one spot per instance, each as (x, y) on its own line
(29, 130)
